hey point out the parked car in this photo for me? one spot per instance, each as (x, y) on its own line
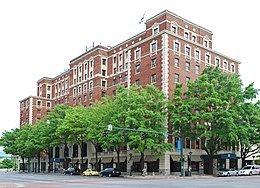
(90, 172)
(227, 172)
(72, 171)
(110, 172)
(249, 170)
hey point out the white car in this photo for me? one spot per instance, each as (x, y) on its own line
(249, 170)
(228, 172)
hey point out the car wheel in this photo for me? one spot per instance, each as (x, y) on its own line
(250, 173)
(228, 174)
(101, 175)
(90, 174)
(84, 174)
(109, 175)
(71, 173)
(64, 173)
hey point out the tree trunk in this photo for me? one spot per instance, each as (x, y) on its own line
(211, 160)
(65, 155)
(39, 161)
(23, 164)
(142, 161)
(96, 165)
(81, 148)
(118, 159)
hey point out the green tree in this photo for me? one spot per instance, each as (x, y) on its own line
(249, 124)
(208, 110)
(7, 163)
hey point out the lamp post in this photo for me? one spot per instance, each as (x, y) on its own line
(131, 164)
(190, 164)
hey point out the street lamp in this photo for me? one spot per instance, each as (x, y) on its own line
(190, 164)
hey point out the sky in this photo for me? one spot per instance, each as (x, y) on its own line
(39, 38)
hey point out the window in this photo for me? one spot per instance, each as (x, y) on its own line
(187, 51)
(193, 38)
(48, 96)
(103, 83)
(153, 47)
(91, 63)
(120, 57)
(75, 71)
(174, 28)
(120, 79)
(85, 97)
(197, 69)
(85, 88)
(187, 142)
(48, 104)
(104, 62)
(176, 47)
(80, 69)
(38, 111)
(207, 59)
(74, 101)
(120, 68)
(103, 72)
(186, 35)
(176, 78)
(114, 70)
(80, 79)
(90, 96)
(187, 80)
(137, 68)
(85, 66)
(217, 62)
(48, 88)
(197, 54)
(205, 43)
(153, 62)
(154, 78)
(85, 76)
(91, 74)
(74, 91)
(39, 103)
(126, 55)
(114, 81)
(232, 68)
(176, 142)
(114, 59)
(137, 54)
(114, 92)
(187, 66)
(126, 66)
(79, 90)
(225, 65)
(79, 99)
(137, 82)
(75, 81)
(155, 30)
(90, 85)
(176, 62)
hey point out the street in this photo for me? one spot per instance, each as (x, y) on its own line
(31, 180)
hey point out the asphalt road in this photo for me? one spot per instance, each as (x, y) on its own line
(31, 180)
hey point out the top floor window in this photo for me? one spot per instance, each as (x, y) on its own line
(104, 62)
(137, 54)
(174, 28)
(193, 38)
(155, 30)
(205, 43)
(232, 68)
(217, 62)
(186, 35)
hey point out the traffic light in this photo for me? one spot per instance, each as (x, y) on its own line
(105, 133)
(142, 135)
(123, 134)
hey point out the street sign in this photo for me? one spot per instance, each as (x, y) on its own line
(110, 127)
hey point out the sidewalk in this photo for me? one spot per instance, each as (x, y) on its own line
(169, 177)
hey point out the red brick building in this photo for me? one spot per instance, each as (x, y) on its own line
(171, 49)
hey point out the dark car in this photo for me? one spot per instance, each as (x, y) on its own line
(110, 172)
(72, 171)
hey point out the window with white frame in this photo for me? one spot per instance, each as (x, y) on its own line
(104, 61)
(225, 65)
(232, 68)
(197, 69)
(137, 68)
(48, 104)
(126, 66)
(104, 83)
(207, 58)
(176, 62)
(127, 55)
(91, 85)
(187, 80)
(91, 63)
(39, 103)
(85, 88)
(75, 71)
(186, 35)
(193, 38)
(137, 54)
(187, 66)
(80, 69)
(187, 51)
(120, 57)
(176, 78)
(153, 63)
(155, 30)
(74, 91)
(187, 142)
(114, 59)
(153, 47)
(174, 28)
(79, 90)
(176, 46)
(90, 96)
(217, 62)
(154, 78)
(86, 66)
(137, 82)
(205, 43)
(197, 54)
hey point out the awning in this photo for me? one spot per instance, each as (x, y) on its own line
(150, 158)
(121, 159)
(220, 156)
(196, 158)
(175, 157)
(93, 160)
(106, 160)
(136, 158)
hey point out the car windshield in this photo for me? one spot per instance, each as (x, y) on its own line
(246, 167)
